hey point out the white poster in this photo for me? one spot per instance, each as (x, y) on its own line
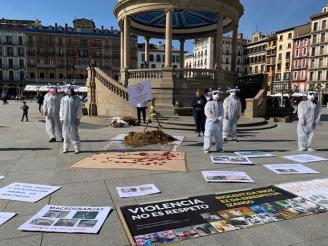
(290, 169)
(139, 93)
(67, 219)
(4, 217)
(304, 158)
(2, 177)
(313, 190)
(226, 177)
(26, 192)
(139, 190)
(253, 154)
(231, 160)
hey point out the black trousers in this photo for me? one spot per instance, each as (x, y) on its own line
(199, 118)
(25, 115)
(141, 110)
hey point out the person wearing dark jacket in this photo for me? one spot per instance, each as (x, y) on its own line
(198, 105)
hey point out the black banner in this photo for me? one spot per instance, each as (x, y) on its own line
(169, 221)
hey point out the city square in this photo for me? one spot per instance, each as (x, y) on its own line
(107, 132)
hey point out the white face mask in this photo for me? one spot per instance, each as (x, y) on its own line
(311, 97)
(215, 95)
(233, 93)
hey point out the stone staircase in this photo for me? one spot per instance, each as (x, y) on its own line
(186, 123)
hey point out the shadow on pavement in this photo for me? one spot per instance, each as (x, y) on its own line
(23, 149)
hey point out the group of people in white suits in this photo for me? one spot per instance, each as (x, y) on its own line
(221, 119)
(63, 111)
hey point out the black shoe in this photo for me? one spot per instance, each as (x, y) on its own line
(52, 140)
(225, 140)
(62, 140)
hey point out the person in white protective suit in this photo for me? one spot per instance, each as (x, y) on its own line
(51, 108)
(232, 113)
(70, 116)
(309, 117)
(213, 125)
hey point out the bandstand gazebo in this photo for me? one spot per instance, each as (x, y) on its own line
(178, 20)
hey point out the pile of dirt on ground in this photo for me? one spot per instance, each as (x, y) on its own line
(140, 139)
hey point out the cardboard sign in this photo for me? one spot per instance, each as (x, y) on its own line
(231, 160)
(139, 190)
(147, 160)
(313, 190)
(290, 169)
(4, 217)
(67, 219)
(253, 154)
(305, 158)
(26, 192)
(139, 93)
(192, 217)
(226, 177)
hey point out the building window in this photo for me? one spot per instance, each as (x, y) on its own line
(158, 58)
(314, 39)
(61, 76)
(143, 57)
(313, 51)
(315, 26)
(323, 37)
(278, 76)
(41, 76)
(295, 64)
(288, 56)
(52, 75)
(295, 76)
(10, 51)
(289, 45)
(298, 43)
(297, 53)
(305, 42)
(311, 76)
(324, 24)
(153, 65)
(304, 51)
(280, 57)
(32, 75)
(303, 75)
(9, 39)
(319, 75)
(20, 40)
(281, 37)
(151, 58)
(290, 35)
(304, 63)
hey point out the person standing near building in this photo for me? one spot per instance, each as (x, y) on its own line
(213, 126)
(51, 108)
(232, 113)
(198, 104)
(70, 115)
(25, 109)
(308, 119)
(141, 109)
(39, 99)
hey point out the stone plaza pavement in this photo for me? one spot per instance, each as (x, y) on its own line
(26, 156)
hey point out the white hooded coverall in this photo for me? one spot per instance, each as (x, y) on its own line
(213, 125)
(51, 108)
(309, 116)
(232, 112)
(70, 115)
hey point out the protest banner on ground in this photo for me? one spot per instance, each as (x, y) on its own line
(313, 190)
(290, 169)
(67, 219)
(140, 92)
(253, 154)
(26, 192)
(231, 160)
(304, 158)
(226, 177)
(187, 218)
(4, 217)
(148, 160)
(138, 190)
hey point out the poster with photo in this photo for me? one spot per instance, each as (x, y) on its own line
(253, 154)
(304, 158)
(182, 219)
(4, 217)
(314, 190)
(26, 192)
(226, 177)
(290, 169)
(239, 160)
(139, 190)
(139, 92)
(67, 219)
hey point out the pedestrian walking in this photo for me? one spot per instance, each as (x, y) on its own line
(25, 109)
(198, 104)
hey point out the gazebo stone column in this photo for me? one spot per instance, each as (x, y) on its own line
(91, 84)
(147, 53)
(182, 52)
(168, 39)
(234, 47)
(122, 49)
(126, 51)
(218, 43)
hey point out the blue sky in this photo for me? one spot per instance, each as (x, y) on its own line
(262, 15)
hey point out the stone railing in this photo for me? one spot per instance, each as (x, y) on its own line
(190, 73)
(256, 107)
(145, 73)
(111, 84)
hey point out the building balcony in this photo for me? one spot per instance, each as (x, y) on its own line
(46, 65)
(52, 81)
